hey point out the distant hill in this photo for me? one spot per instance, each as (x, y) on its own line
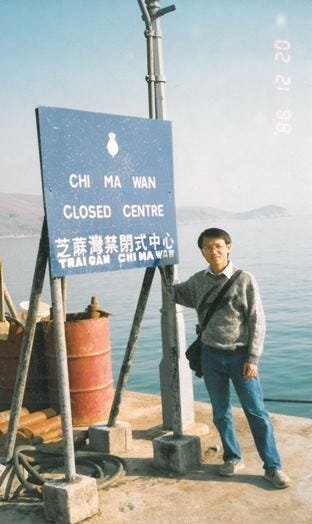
(21, 215)
(264, 212)
(198, 214)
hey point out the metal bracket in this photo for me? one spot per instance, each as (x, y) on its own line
(148, 19)
(150, 78)
(159, 78)
(149, 32)
(163, 11)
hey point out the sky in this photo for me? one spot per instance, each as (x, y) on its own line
(238, 90)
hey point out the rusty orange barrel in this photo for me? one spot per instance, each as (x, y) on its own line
(36, 392)
(89, 367)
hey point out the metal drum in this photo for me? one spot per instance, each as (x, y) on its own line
(36, 392)
(89, 367)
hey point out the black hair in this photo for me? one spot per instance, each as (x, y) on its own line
(213, 232)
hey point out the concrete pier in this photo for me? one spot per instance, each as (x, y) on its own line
(147, 495)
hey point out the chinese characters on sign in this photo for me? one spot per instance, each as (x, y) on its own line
(108, 191)
(98, 250)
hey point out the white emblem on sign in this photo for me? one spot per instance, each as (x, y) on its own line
(112, 146)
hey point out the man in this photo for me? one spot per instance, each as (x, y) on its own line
(232, 343)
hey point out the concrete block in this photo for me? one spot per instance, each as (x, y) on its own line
(177, 453)
(70, 502)
(115, 439)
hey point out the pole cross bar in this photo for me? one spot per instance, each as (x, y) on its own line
(164, 11)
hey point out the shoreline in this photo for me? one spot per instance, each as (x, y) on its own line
(16, 237)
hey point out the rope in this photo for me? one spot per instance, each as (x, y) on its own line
(37, 460)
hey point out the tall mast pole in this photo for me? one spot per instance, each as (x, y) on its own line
(177, 402)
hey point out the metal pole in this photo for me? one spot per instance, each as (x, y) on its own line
(150, 77)
(64, 295)
(126, 365)
(27, 344)
(172, 344)
(177, 403)
(9, 302)
(2, 306)
(62, 378)
(153, 7)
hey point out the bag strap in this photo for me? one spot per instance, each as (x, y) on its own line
(218, 298)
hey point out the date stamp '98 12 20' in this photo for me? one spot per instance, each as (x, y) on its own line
(282, 82)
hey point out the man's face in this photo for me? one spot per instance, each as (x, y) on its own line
(216, 251)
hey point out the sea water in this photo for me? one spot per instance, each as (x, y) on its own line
(277, 251)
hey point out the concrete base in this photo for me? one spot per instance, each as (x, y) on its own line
(179, 454)
(115, 439)
(70, 502)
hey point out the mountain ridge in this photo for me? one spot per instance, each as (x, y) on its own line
(195, 214)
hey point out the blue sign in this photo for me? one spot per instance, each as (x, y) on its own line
(108, 191)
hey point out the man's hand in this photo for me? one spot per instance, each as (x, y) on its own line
(250, 370)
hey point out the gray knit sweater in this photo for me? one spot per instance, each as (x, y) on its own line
(238, 320)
